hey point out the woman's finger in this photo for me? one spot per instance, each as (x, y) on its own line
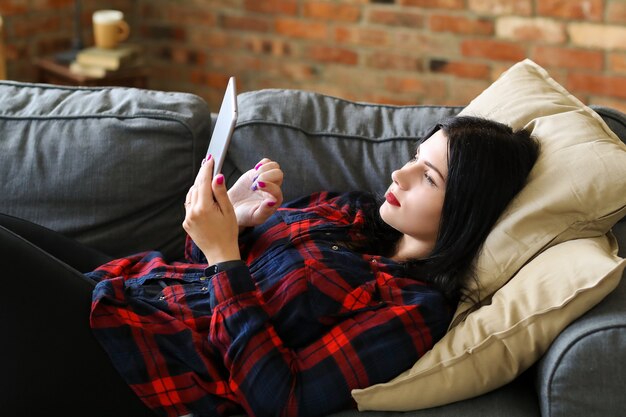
(274, 175)
(221, 194)
(271, 191)
(203, 182)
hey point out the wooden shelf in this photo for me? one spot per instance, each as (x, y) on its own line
(51, 71)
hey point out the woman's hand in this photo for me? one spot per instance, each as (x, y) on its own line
(210, 218)
(257, 194)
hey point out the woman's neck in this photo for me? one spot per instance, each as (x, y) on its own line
(410, 248)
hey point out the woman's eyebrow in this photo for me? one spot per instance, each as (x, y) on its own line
(434, 168)
(430, 165)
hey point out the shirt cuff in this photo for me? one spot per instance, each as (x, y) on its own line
(221, 267)
(225, 285)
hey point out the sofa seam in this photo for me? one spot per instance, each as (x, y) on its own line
(323, 134)
(357, 103)
(564, 353)
(103, 116)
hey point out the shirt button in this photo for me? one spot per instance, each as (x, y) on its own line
(335, 247)
(374, 261)
(204, 288)
(162, 298)
(327, 233)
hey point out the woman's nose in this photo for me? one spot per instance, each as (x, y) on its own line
(398, 178)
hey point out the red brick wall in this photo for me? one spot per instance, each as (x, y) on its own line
(393, 51)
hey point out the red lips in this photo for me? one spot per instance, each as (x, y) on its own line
(391, 199)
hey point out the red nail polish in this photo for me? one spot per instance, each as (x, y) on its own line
(258, 166)
(261, 184)
(208, 158)
(220, 179)
(271, 203)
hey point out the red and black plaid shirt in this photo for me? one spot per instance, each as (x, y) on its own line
(292, 333)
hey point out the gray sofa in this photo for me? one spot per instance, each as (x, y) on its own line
(111, 166)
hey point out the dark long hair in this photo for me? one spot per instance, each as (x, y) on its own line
(488, 164)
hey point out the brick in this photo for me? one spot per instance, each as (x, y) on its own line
(161, 32)
(184, 56)
(416, 85)
(38, 24)
(617, 63)
(435, 4)
(302, 29)
(351, 78)
(461, 24)
(394, 61)
(178, 14)
(560, 57)
(297, 71)
(330, 54)
(616, 11)
(611, 86)
(208, 78)
(404, 18)
(460, 69)
(246, 23)
(613, 103)
(590, 35)
(424, 43)
(572, 9)
(355, 35)
(275, 7)
(56, 4)
(274, 47)
(501, 7)
(8, 7)
(530, 29)
(388, 99)
(496, 50)
(332, 11)
(462, 91)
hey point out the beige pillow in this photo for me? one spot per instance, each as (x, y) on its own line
(576, 189)
(499, 341)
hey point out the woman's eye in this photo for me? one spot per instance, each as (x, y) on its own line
(429, 179)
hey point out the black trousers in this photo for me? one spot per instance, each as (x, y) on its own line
(50, 362)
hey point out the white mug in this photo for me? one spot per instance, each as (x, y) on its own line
(109, 28)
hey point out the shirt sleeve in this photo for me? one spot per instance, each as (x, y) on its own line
(269, 378)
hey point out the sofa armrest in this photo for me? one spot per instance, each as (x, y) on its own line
(584, 371)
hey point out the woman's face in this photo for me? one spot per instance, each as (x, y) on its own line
(414, 200)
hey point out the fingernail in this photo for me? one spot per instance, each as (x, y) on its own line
(220, 179)
(261, 184)
(208, 158)
(255, 178)
(254, 187)
(258, 166)
(271, 203)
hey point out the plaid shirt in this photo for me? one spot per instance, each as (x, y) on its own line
(292, 333)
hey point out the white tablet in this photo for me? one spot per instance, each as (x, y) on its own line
(224, 126)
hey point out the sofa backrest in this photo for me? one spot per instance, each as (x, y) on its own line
(111, 166)
(107, 166)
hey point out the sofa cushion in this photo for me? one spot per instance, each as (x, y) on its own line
(496, 343)
(107, 166)
(325, 143)
(577, 187)
(575, 193)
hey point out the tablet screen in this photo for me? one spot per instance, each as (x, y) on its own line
(224, 126)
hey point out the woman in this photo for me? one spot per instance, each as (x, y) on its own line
(298, 305)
